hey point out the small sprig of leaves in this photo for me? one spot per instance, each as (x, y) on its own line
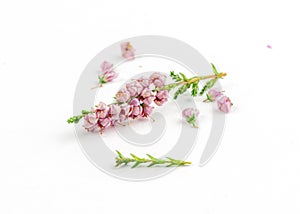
(178, 77)
(77, 118)
(209, 84)
(193, 83)
(181, 90)
(121, 159)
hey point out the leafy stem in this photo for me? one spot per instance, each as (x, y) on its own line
(121, 159)
(183, 83)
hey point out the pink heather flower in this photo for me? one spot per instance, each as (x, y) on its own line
(147, 101)
(224, 104)
(161, 97)
(269, 46)
(127, 50)
(158, 79)
(106, 66)
(147, 110)
(136, 111)
(190, 115)
(134, 102)
(114, 111)
(101, 110)
(107, 76)
(134, 88)
(122, 96)
(136, 108)
(148, 96)
(147, 93)
(105, 122)
(91, 123)
(144, 82)
(213, 94)
(125, 112)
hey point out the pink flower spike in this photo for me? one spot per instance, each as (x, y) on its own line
(224, 104)
(127, 50)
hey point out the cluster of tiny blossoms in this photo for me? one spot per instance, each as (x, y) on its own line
(223, 102)
(107, 74)
(132, 101)
(127, 50)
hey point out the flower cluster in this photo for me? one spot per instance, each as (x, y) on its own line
(127, 50)
(107, 74)
(132, 101)
(223, 102)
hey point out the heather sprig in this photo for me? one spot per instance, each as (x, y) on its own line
(136, 99)
(182, 83)
(150, 160)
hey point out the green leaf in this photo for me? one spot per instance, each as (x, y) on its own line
(136, 164)
(191, 119)
(120, 154)
(102, 80)
(195, 89)
(214, 69)
(151, 157)
(175, 77)
(152, 164)
(181, 90)
(183, 76)
(209, 84)
(85, 112)
(135, 157)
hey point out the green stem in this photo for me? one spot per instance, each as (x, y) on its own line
(121, 159)
(190, 81)
(77, 118)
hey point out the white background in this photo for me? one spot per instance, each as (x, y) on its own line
(44, 46)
